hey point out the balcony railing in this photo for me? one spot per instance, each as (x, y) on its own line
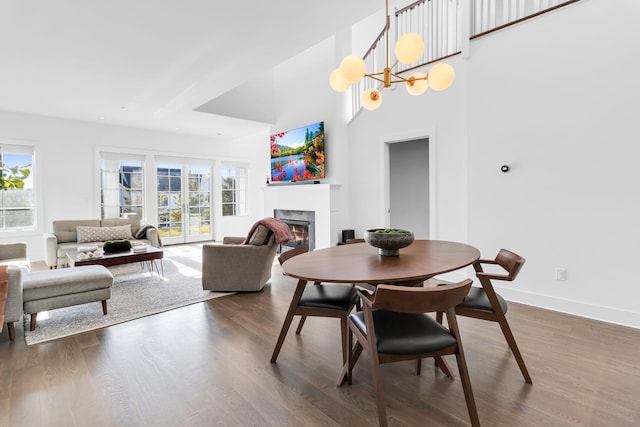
(492, 15)
(439, 23)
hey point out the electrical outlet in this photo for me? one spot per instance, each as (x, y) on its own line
(561, 274)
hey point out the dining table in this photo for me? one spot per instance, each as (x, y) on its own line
(362, 265)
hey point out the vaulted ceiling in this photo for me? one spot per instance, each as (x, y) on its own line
(152, 63)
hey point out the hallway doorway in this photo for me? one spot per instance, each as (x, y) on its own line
(409, 186)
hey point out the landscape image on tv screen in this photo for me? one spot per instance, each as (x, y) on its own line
(298, 154)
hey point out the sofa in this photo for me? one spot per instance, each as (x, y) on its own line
(68, 235)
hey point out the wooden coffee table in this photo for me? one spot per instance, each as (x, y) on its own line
(118, 258)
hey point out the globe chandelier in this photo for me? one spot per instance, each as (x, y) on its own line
(408, 49)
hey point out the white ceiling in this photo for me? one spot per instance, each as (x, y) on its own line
(151, 63)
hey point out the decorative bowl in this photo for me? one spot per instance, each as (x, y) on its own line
(389, 241)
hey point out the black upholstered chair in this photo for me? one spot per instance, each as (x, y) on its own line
(394, 326)
(484, 303)
(322, 300)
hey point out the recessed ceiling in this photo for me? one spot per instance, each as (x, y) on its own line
(150, 64)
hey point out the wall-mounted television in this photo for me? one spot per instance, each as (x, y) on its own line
(298, 154)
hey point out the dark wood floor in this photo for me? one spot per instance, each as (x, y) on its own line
(208, 364)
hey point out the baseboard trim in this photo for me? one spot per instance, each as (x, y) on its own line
(578, 308)
(601, 313)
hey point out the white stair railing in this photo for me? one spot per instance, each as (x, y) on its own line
(490, 15)
(439, 24)
(436, 21)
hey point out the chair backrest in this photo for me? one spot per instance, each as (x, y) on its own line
(409, 299)
(511, 262)
(291, 253)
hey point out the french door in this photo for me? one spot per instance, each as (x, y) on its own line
(184, 202)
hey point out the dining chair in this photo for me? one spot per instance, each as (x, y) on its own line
(484, 303)
(394, 326)
(322, 300)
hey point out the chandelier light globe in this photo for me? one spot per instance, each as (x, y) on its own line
(441, 76)
(353, 68)
(337, 81)
(409, 48)
(371, 99)
(416, 84)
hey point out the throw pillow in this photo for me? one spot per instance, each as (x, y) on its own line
(102, 234)
(260, 236)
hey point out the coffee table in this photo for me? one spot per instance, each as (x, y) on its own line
(149, 257)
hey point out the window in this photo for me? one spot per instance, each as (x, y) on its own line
(121, 187)
(234, 190)
(17, 198)
(169, 199)
(199, 200)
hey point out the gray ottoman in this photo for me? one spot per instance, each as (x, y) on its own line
(51, 289)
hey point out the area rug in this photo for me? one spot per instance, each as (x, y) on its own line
(136, 293)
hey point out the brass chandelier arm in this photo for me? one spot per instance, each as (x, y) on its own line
(373, 76)
(397, 76)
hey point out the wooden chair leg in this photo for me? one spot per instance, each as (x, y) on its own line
(444, 366)
(462, 368)
(468, 392)
(511, 341)
(440, 363)
(344, 333)
(34, 319)
(104, 307)
(301, 324)
(348, 364)
(12, 331)
(288, 318)
(377, 382)
(353, 356)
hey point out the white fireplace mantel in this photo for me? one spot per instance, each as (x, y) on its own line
(320, 198)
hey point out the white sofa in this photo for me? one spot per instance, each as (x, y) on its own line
(65, 236)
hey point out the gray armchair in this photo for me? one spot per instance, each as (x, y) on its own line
(237, 267)
(14, 254)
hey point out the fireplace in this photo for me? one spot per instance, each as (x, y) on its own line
(302, 225)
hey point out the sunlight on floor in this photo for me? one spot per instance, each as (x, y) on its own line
(185, 270)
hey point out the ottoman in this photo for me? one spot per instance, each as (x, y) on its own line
(51, 289)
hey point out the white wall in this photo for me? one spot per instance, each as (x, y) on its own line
(303, 96)
(66, 173)
(555, 98)
(439, 115)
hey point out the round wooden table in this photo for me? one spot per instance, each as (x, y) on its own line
(360, 263)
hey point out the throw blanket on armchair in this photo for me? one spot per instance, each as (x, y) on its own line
(142, 233)
(4, 290)
(279, 228)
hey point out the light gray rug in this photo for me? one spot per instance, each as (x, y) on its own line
(136, 293)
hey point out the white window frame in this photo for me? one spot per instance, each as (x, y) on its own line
(241, 174)
(119, 158)
(11, 148)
